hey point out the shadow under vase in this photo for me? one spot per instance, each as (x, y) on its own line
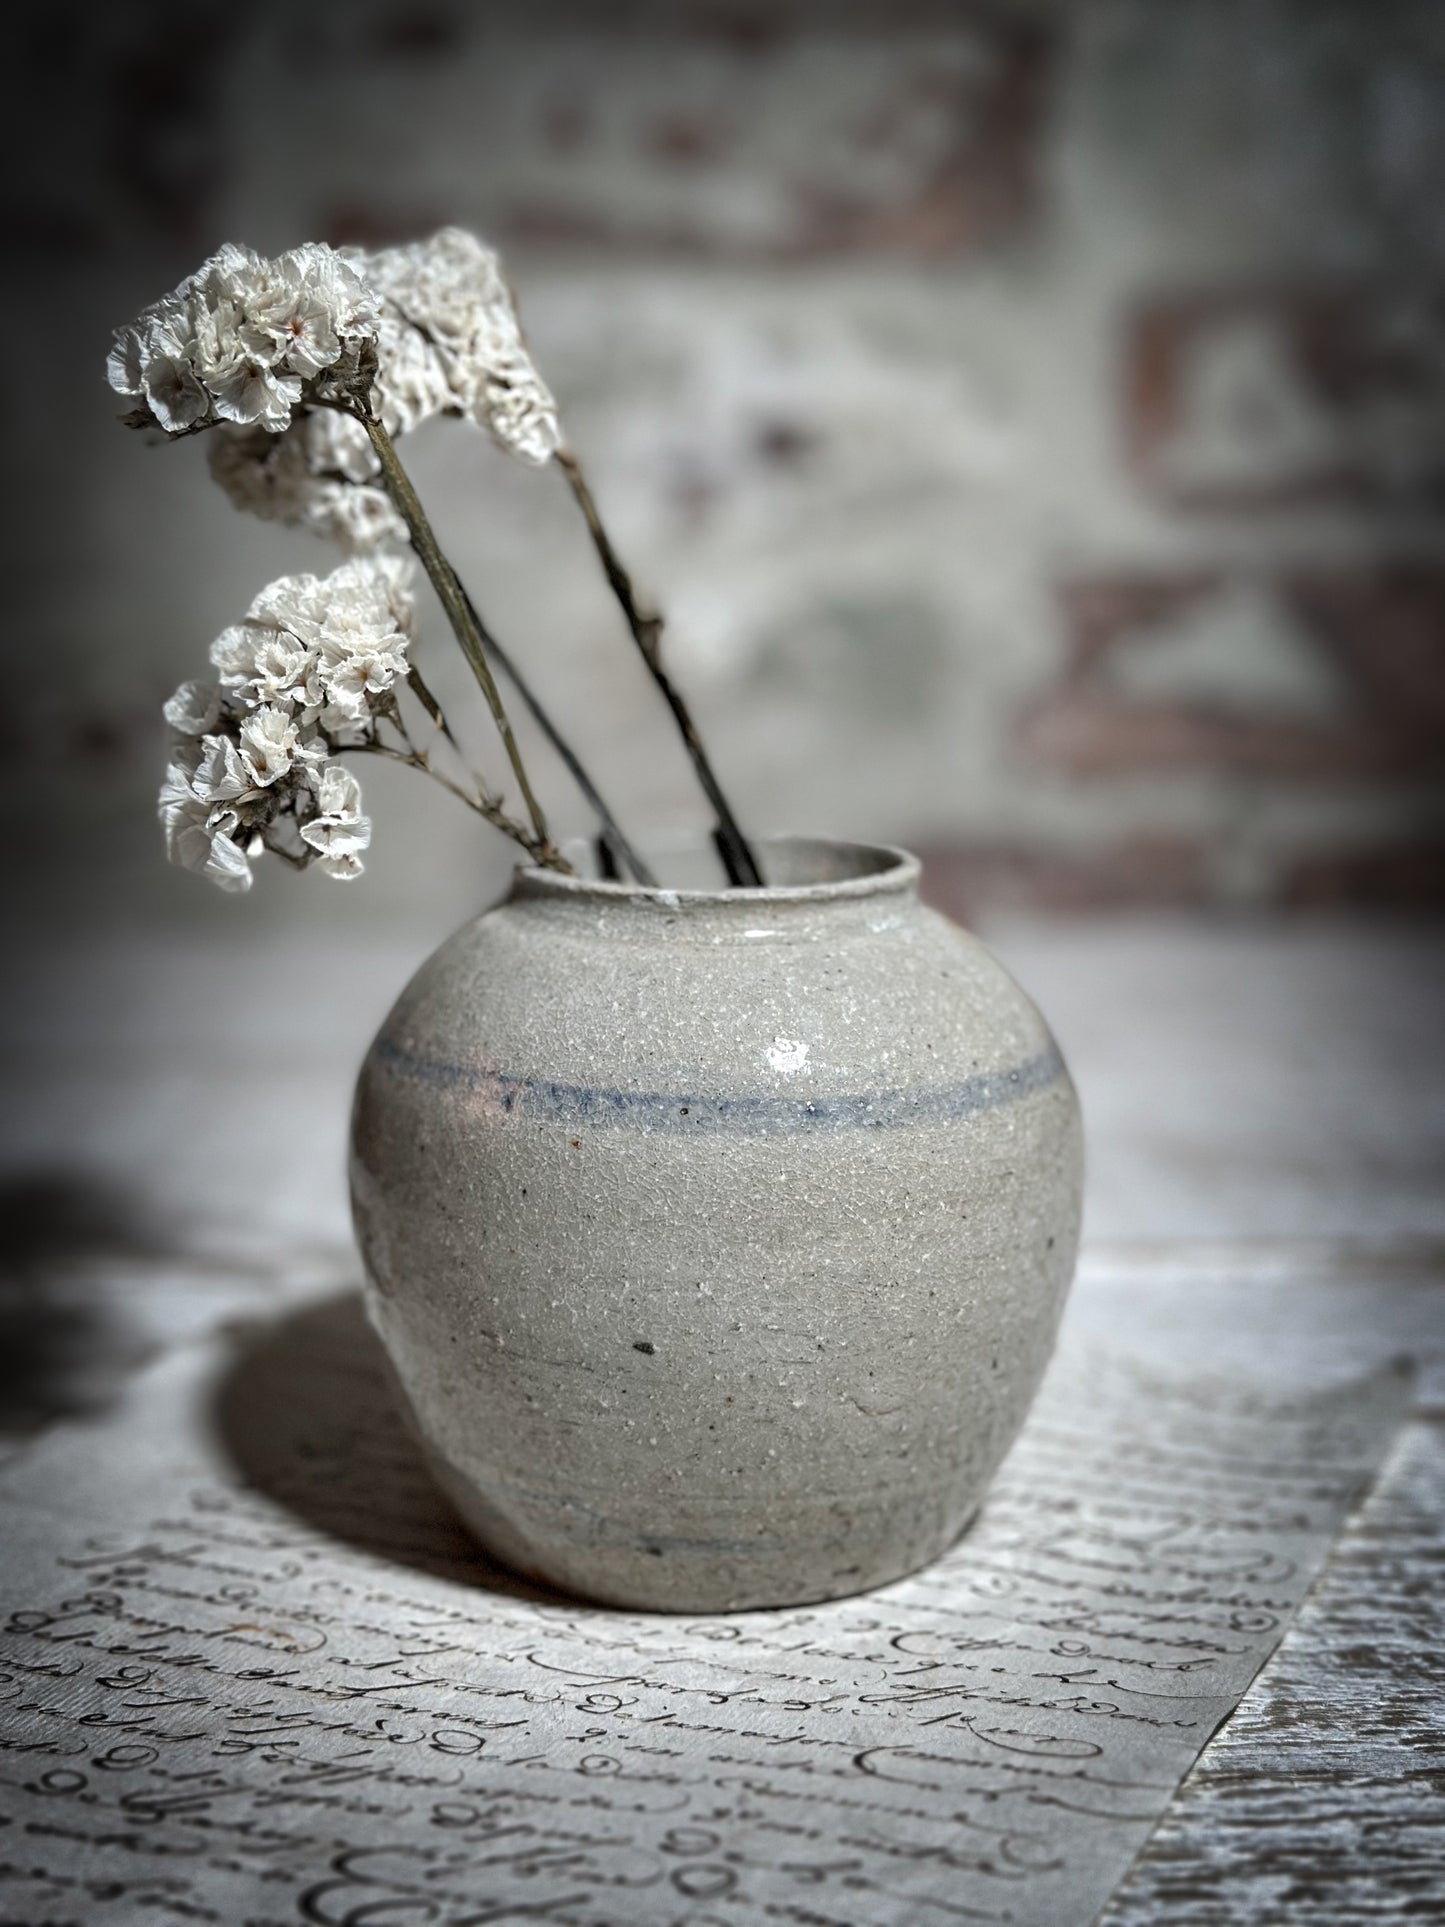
(307, 1413)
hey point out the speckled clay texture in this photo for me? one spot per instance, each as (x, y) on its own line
(718, 1239)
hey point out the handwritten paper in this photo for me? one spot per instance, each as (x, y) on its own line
(254, 1673)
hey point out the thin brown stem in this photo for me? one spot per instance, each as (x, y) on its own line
(484, 798)
(646, 627)
(483, 802)
(611, 830)
(416, 683)
(453, 600)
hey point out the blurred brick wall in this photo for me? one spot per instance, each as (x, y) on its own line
(1031, 417)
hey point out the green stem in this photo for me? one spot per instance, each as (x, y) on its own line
(453, 600)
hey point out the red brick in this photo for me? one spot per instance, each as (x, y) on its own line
(361, 225)
(1405, 875)
(974, 183)
(1366, 361)
(1382, 631)
(1387, 626)
(969, 880)
(964, 879)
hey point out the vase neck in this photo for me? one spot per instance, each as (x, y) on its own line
(836, 884)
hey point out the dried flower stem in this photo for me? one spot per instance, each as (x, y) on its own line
(453, 599)
(612, 833)
(416, 683)
(646, 626)
(483, 802)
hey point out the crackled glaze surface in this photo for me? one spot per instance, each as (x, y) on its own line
(718, 1240)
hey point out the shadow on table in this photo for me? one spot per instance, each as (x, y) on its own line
(306, 1413)
(66, 1341)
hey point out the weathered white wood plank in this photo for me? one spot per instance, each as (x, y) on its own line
(1321, 1802)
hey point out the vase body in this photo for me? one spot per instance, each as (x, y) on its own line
(718, 1239)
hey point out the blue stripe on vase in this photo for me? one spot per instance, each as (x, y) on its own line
(542, 1100)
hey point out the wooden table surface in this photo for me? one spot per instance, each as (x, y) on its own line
(1266, 1111)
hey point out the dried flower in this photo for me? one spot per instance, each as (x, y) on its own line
(306, 674)
(448, 341)
(269, 744)
(452, 291)
(297, 478)
(338, 832)
(311, 365)
(415, 385)
(198, 830)
(194, 709)
(243, 338)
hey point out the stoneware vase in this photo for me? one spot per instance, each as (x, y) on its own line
(717, 1238)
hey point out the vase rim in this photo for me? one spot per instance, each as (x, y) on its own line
(847, 870)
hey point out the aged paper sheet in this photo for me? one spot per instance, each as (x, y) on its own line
(253, 1673)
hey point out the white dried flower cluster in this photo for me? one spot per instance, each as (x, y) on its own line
(307, 478)
(448, 342)
(299, 679)
(241, 338)
(452, 292)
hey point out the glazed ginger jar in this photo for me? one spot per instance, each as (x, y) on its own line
(718, 1239)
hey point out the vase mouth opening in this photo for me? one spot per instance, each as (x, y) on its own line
(796, 869)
